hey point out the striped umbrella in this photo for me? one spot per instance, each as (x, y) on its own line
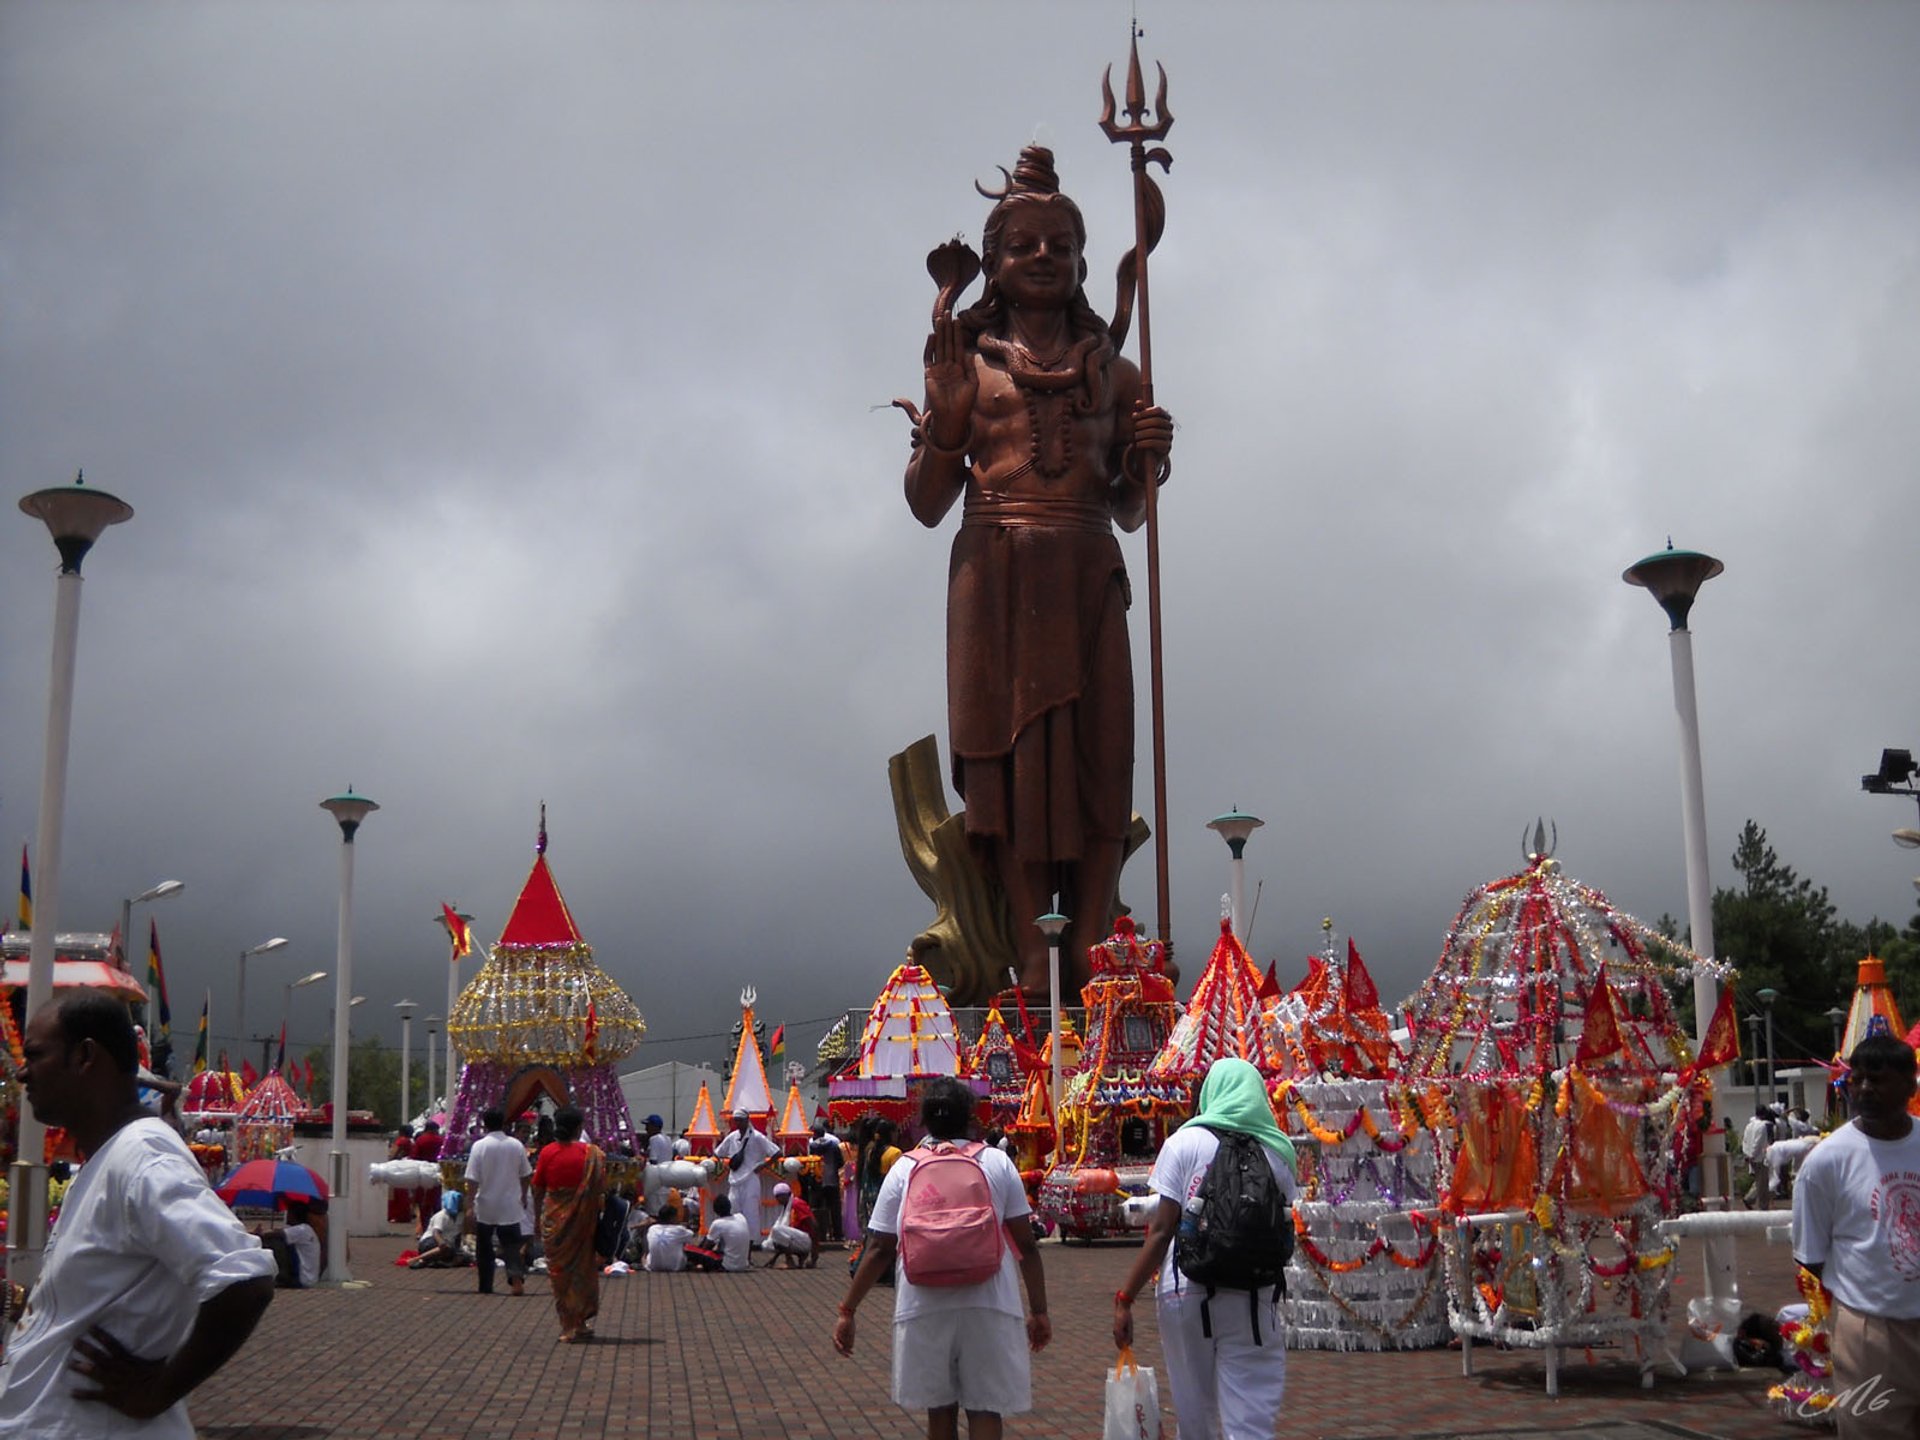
(270, 1184)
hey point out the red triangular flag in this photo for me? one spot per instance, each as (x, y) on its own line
(249, 1077)
(1600, 1031)
(1721, 1045)
(1362, 993)
(1270, 987)
(590, 1038)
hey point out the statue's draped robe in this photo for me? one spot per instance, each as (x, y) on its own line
(1039, 671)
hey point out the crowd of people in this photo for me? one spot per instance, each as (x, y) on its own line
(149, 1284)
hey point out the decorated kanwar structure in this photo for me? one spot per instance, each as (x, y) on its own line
(910, 1037)
(1366, 1271)
(1114, 1115)
(1563, 1092)
(541, 1017)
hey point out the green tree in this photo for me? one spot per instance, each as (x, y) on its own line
(1779, 930)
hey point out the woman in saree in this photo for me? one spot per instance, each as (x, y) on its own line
(569, 1183)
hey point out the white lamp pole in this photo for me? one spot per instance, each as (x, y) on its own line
(265, 947)
(349, 809)
(286, 1002)
(433, 1030)
(1674, 577)
(405, 1007)
(1234, 828)
(76, 515)
(1053, 924)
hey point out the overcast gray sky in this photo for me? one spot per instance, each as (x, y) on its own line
(496, 387)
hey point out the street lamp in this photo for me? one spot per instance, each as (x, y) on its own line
(405, 1007)
(76, 516)
(1234, 828)
(349, 810)
(433, 1029)
(453, 966)
(1766, 998)
(1836, 1017)
(1674, 577)
(1053, 924)
(279, 942)
(286, 1002)
(1753, 1057)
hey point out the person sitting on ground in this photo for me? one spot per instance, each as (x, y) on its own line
(795, 1234)
(667, 1241)
(729, 1233)
(440, 1243)
(296, 1248)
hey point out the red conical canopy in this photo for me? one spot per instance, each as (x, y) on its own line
(540, 916)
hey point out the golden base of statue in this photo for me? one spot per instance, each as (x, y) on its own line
(969, 948)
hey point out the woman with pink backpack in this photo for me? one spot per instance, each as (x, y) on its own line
(957, 1215)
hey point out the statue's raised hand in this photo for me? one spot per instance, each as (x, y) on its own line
(951, 386)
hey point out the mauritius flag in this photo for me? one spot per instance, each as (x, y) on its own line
(200, 1045)
(26, 892)
(157, 982)
(777, 1048)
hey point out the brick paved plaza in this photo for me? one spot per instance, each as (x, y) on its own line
(713, 1357)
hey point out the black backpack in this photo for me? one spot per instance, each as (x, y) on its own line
(1237, 1230)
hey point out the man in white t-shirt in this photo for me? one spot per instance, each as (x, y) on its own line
(667, 1242)
(658, 1152)
(729, 1233)
(744, 1149)
(1856, 1224)
(957, 1347)
(498, 1176)
(149, 1284)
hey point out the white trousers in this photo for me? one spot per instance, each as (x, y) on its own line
(1224, 1388)
(789, 1240)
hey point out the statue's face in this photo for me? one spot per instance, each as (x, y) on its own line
(1039, 261)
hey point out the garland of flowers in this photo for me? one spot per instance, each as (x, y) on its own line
(1377, 1246)
(1403, 1122)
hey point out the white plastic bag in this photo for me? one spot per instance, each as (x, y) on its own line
(1133, 1400)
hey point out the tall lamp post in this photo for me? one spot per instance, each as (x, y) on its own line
(286, 1002)
(158, 892)
(433, 1030)
(1053, 924)
(349, 810)
(406, 1007)
(1753, 1064)
(1674, 578)
(1234, 828)
(265, 947)
(75, 515)
(1766, 998)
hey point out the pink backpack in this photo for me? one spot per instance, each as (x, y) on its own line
(950, 1234)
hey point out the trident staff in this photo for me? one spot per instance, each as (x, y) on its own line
(1149, 219)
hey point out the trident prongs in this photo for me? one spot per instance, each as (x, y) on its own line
(1136, 131)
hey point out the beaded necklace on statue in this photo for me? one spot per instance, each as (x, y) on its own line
(1047, 385)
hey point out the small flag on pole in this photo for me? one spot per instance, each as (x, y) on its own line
(157, 982)
(280, 1063)
(590, 1038)
(26, 892)
(777, 1048)
(200, 1044)
(458, 931)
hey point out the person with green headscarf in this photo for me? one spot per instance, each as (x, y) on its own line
(1226, 1372)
